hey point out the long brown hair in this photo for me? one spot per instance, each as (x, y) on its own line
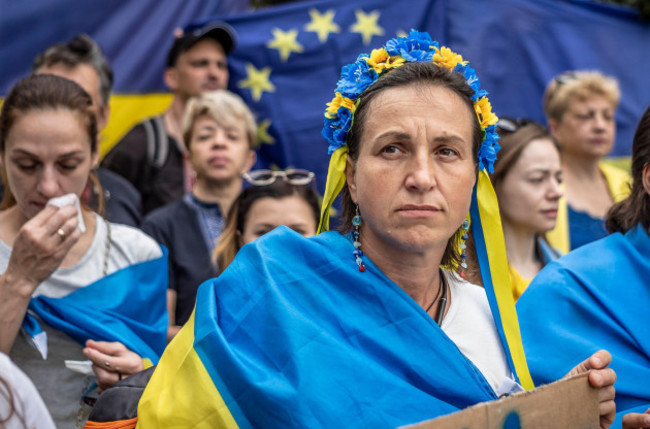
(635, 209)
(45, 92)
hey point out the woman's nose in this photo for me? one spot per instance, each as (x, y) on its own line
(555, 189)
(421, 176)
(48, 184)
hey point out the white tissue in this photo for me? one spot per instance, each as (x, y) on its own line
(69, 200)
(84, 367)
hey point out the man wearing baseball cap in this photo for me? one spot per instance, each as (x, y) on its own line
(152, 155)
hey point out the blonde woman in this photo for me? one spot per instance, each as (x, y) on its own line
(220, 134)
(580, 108)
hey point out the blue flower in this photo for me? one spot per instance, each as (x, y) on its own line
(420, 41)
(335, 129)
(355, 78)
(417, 47)
(487, 153)
(418, 56)
(472, 80)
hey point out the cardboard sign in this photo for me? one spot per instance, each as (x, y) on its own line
(570, 403)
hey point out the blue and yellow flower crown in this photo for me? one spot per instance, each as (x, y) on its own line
(416, 47)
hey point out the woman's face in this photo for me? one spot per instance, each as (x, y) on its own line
(219, 153)
(268, 213)
(587, 127)
(529, 192)
(47, 154)
(415, 171)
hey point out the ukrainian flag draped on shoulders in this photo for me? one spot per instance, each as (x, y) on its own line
(293, 335)
(128, 305)
(589, 306)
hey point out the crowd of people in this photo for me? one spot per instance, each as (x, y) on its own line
(221, 298)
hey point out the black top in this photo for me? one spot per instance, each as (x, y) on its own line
(176, 226)
(157, 186)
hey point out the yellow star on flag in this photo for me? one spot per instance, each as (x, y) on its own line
(257, 81)
(367, 26)
(322, 24)
(263, 135)
(285, 42)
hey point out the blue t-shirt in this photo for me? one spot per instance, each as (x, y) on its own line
(584, 228)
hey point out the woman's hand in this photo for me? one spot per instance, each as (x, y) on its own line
(637, 420)
(38, 250)
(111, 362)
(40, 246)
(603, 379)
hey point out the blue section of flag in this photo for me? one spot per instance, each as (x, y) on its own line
(587, 307)
(128, 305)
(285, 328)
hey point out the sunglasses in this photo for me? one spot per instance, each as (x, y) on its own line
(267, 177)
(511, 125)
(566, 77)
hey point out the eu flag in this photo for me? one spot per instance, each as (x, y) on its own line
(289, 59)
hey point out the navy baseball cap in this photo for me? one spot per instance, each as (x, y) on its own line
(220, 32)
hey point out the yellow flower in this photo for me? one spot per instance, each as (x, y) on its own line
(380, 61)
(447, 58)
(484, 113)
(338, 101)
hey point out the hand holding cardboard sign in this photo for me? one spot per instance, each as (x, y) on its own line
(637, 420)
(603, 379)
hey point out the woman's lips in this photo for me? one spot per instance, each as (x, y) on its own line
(218, 161)
(550, 213)
(418, 210)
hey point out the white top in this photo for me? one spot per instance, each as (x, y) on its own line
(60, 387)
(469, 324)
(27, 406)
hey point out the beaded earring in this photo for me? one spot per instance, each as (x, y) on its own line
(358, 253)
(463, 247)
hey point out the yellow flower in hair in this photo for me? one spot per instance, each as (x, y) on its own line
(338, 101)
(447, 58)
(483, 110)
(380, 61)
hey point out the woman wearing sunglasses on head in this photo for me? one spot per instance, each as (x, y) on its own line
(526, 179)
(580, 108)
(275, 198)
(220, 134)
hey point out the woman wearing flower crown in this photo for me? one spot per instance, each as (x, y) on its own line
(375, 326)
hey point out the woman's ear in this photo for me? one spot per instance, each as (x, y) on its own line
(350, 177)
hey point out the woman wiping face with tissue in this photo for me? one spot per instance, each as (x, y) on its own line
(85, 282)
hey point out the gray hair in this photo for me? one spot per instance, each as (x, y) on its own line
(80, 50)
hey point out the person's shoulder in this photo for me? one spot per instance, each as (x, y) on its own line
(614, 171)
(167, 214)
(118, 186)
(133, 243)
